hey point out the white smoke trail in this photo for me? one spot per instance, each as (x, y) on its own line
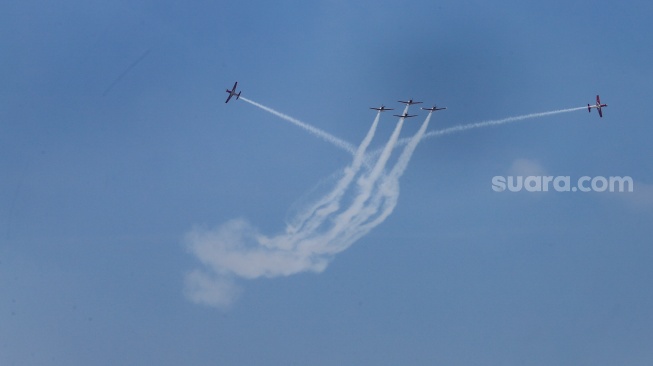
(389, 188)
(497, 122)
(343, 233)
(331, 202)
(386, 195)
(308, 238)
(342, 144)
(236, 249)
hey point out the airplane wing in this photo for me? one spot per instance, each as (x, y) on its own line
(598, 100)
(600, 112)
(229, 98)
(235, 85)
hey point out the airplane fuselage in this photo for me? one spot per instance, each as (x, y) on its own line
(598, 106)
(409, 102)
(232, 92)
(405, 115)
(434, 109)
(382, 109)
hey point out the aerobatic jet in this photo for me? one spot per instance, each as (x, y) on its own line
(598, 106)
(232, 92)
(382, 109)
(409, 102)
(435, 108)
(405, 115)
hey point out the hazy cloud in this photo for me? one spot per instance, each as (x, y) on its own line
(526, 167)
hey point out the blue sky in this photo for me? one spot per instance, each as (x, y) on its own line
(117, 144)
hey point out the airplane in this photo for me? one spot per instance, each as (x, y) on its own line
(598, 106)
(435, 108)
(405, 115)
(232, 92)
(409, 102)
(382, 109)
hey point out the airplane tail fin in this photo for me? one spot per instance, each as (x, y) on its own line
(589, 108)
(238, 96)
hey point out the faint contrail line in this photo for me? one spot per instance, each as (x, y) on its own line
(342, 144)
(133, 64)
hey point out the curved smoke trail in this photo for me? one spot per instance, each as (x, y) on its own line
(331, 202)
(360, 200)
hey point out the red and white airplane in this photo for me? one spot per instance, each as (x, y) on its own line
(232, 92)
(598, 106)
(382, 109)
(409, 102)
(405, 115)
(435, 108)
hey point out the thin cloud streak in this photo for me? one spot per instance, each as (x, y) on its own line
(125, 72)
